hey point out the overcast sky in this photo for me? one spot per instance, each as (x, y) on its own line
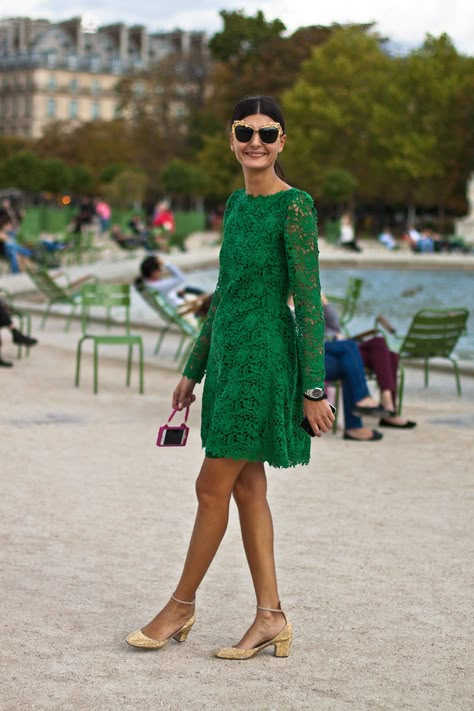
(403, 21)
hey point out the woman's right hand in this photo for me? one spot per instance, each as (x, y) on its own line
(183, 393)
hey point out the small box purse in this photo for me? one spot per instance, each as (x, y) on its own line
(173, 436)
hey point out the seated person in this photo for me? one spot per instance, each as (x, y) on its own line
(347, 238)
(152, 276)
(19, 338)
(342, 361)
(376, 357)
(124, 241)
(137, 227)
(17, 256)
(163, 225)
(387, 239)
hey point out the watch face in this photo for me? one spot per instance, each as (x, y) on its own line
(316, 392)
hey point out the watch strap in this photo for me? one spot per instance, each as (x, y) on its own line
(324, 396)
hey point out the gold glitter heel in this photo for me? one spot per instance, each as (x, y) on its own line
(138, 639)
(281, 642)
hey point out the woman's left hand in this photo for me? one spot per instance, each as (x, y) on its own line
(319, 414)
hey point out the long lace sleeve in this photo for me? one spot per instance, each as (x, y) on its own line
(303, 267)
(197, 361)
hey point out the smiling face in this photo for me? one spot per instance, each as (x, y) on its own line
(257, 154)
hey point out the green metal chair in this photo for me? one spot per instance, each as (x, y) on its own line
(433, 333)
(171, 319)
(347, 304)
(56, 293)
(108, 297)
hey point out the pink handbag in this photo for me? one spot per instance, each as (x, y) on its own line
(173, 436)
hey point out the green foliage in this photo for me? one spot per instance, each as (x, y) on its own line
(243, 35)
(24, 170)
(222, 170)
(9, 145)
(181, 179)
(81, 181)
(338, 186)
(245, 46)
(401, 126)
(56, 176)
(126, 188)
(362, 125)
(330, 111)
(110, 172)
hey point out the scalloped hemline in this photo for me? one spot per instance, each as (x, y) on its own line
(274, 465)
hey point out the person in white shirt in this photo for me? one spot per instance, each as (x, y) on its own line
(347, 238)
(153, 276)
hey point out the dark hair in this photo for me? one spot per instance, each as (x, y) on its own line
(148, 266)
(260, 105)
(5, 219)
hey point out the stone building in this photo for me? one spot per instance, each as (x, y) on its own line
(68, 71)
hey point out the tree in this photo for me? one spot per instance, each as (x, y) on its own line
(81, 181)
(330, 112)
(243, 35)
(96, 144)
(182, 180)
(426, 127)
(56, 176)
(127, 187)
(24, 170)
(12, 144)
(160, 104)
(222, 170)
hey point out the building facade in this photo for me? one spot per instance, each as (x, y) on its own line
(67, 71)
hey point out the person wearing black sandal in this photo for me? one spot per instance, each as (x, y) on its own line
(19, 338)
(376, 357)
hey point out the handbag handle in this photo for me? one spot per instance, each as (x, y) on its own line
(173, 413)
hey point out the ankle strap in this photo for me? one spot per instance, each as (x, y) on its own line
(270, 609)
(183, 602)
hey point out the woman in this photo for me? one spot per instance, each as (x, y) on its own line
(263, 375)
(152, 276)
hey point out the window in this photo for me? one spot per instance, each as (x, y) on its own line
(72, 61)
(51, 108)
(73, 113)
(73, 84)
(95, 114)
(51, 82)
(51, 59)
(138, 88)
(95, 86)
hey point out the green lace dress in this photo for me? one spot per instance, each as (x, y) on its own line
(258, 358)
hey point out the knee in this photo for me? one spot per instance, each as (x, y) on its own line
(248, 492)
(209, 496)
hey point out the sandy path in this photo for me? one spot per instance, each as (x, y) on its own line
(374, 545)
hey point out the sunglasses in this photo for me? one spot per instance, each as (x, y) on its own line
(243, 133)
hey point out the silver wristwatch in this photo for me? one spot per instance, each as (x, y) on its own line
(315, 394)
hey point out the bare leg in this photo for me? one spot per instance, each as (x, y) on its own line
(250, 493)
(214, 487)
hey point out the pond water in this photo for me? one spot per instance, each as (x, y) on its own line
(395, 294)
